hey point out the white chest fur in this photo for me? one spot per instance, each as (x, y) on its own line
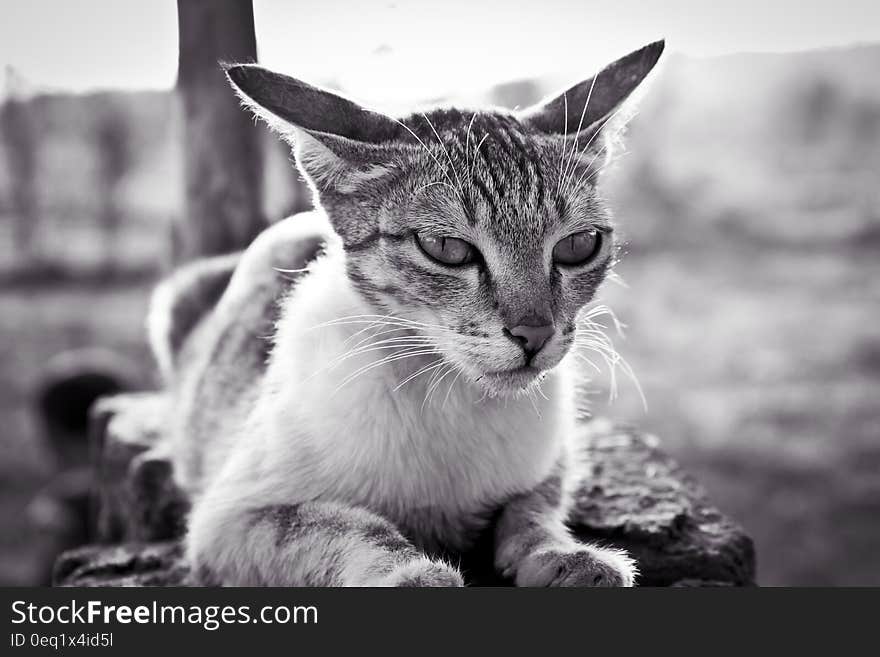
(453, 457)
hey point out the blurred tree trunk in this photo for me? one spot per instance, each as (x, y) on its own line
(20, 141)
(222, 146)
(112, 138)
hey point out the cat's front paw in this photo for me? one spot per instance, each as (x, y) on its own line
(423, 572)
(577, 566)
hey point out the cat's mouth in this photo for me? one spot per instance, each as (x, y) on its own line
(512, 379)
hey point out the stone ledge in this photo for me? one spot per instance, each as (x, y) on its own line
(128, 564)
(638, 498)
(635, 497)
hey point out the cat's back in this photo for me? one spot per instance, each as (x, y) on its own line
(224, 357)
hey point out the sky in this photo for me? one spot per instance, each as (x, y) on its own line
(396, 50)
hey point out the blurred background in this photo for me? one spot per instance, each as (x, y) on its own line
(749, 194)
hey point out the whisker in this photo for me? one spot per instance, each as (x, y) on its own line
(409, 337)
(604, 147)
(384, 361)
(592, 337)
(568, 168)
(372, 327)
(540, 390)
(436, 384)
(291, 271)
(451, 386)
(370, 344)
(390, 320)
(370, 348)
(438, 182)
(434, 375)
(443, 146)
(534, 403)
(588, 362)
(430, 366)
(616, 278)
(564, 139)
(427, 150)
(338, 360)
(467, 142)
(613, 161)
(370, 324)
(477, 152)
(585, 178)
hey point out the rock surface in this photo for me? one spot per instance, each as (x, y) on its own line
(633, 496)
(636, 497)
(127, 564)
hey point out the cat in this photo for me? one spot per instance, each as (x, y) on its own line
(373, 384)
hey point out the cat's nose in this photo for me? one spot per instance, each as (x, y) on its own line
(531, 338)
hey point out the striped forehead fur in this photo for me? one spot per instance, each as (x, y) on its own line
(491, 157)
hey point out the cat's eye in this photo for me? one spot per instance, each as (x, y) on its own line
(447, 250)
(578, 248)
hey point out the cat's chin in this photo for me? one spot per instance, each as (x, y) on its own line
(512, 382)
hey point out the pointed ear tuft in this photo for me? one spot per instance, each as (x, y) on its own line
(588, 102)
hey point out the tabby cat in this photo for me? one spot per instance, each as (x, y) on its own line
(372, 385)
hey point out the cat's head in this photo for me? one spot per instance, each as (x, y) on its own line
(483, 228)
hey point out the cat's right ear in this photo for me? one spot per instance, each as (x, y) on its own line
(338, 144)
(584, 108)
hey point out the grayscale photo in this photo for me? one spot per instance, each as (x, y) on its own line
(439, 294)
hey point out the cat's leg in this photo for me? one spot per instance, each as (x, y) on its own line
(535, 548)
(308, 544)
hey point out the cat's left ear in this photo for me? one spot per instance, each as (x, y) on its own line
(338, 144)
(584, 108)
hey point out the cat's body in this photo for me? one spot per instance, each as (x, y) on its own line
(446, 465)
(356, 423)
